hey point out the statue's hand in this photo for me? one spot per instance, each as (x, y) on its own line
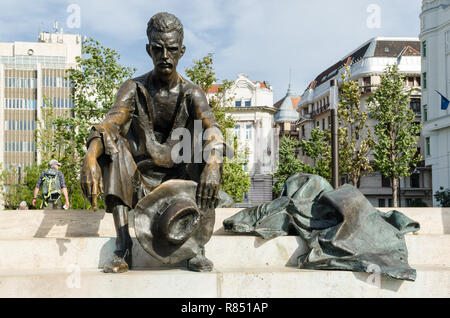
(91, 180)
(208, 188)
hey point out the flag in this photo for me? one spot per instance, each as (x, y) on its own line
(444, 101)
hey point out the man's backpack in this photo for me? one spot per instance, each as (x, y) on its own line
(51, 186)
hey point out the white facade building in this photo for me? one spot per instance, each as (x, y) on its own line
(253, 112)
(435, 48)
(30, 72)
(367, 62)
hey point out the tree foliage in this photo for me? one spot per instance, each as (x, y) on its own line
(14, 190)
(443, 197)
(235, 180)
(395, 152)
(289, 164)
(319, 150)
(355, 138)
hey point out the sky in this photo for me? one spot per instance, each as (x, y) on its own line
(263, 39)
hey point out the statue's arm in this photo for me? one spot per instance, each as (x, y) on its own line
(208, 188)
(202, 111)
(103, 140)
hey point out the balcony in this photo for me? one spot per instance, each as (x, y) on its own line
(319, 111)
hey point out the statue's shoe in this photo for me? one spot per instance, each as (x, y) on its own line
(118, 264)
(200, 263)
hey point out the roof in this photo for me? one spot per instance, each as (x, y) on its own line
(384, 47)
(214, 89)
(287, 112)
(294, 101)
(394, 48)
(261, 84)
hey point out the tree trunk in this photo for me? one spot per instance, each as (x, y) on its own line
(394, 191)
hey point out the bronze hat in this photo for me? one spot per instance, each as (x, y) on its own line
(168, 223)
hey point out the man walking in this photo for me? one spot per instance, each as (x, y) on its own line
(53, 184)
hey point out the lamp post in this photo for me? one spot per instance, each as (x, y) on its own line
(334, 134)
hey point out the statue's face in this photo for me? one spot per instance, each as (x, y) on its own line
(165, 49)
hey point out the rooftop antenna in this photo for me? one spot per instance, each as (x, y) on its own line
(289, 92)
(290, 77)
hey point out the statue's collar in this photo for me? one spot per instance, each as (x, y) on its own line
(145, 79)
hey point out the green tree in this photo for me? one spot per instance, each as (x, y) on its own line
(395, 152)
(355, 138)
(235, 180)
(443, 197)
(51, 142)
(289, 164)
(319, 150)
(16, 187)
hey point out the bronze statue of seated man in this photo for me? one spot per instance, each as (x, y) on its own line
(129, 153)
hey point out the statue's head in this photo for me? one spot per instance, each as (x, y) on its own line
(165, 42)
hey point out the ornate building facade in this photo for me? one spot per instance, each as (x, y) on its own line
(366, 63)
(252, 109)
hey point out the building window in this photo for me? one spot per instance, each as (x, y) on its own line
(248, 103)
(238, 103)
(415, 105)
(427, 146)
(385, 182)
(248, 132)
(366, 83)
(323, 123)
(425, 113)
(411, 81)
(237, 130)
(424, 80)
(317, 124)
(381, 203)
(390, 202)
(303, 130)
(424, 48)
(414, 180)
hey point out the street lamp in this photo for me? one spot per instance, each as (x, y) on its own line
(334, 134)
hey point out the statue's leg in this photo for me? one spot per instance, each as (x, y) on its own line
(200, 263)
(122, 257)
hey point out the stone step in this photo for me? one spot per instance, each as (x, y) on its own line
(432, 281)
(226, 251)
(38, 223)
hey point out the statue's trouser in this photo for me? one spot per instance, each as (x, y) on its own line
(122, 258)
(123, 241)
